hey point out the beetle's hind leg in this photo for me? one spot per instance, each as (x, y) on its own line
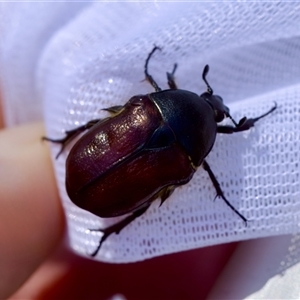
(116, 228)
(219, 191)
(171, 78)
(70, 135)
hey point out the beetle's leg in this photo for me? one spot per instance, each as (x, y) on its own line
(116, 228)
(148, 76)
(244, 123)
(114, 109)
(70, 135)
(166, 193)
(219, 191)
(171, 78)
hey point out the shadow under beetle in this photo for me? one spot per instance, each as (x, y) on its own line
(144, 150)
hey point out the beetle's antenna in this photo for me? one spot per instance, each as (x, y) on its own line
(148, 76)
(205, 71)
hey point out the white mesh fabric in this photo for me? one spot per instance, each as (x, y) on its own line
(94, 59)
(25, 30)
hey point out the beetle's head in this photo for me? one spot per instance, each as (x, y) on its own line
(221, 111)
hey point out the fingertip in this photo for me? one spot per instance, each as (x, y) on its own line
(31, 216)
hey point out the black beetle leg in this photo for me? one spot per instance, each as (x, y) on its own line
(219, 191)
(116, 228)
(70, 135)
(171, 78)
(148, 76)
(244, 123)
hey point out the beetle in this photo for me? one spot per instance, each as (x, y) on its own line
(145, 149)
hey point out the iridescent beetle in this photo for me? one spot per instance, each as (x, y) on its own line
(146, 149)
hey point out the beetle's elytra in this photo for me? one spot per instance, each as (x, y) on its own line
(145, 149)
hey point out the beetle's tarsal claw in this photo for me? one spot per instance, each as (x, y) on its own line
(104, 237)
(106, 234)
(221, 195)
(62, 141)
(166, 193)
(218, 189)
(161, 202)
(59, 152)
(101, 230)
(117, 227)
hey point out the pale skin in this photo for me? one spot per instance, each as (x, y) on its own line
(37, 264)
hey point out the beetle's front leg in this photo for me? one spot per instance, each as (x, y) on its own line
(116, 228)
(244, 123)
(70, 135)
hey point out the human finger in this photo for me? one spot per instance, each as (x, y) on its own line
(31, 217)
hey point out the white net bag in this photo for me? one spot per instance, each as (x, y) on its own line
(92, 57)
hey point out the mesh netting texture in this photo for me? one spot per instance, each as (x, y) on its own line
(93, 58)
